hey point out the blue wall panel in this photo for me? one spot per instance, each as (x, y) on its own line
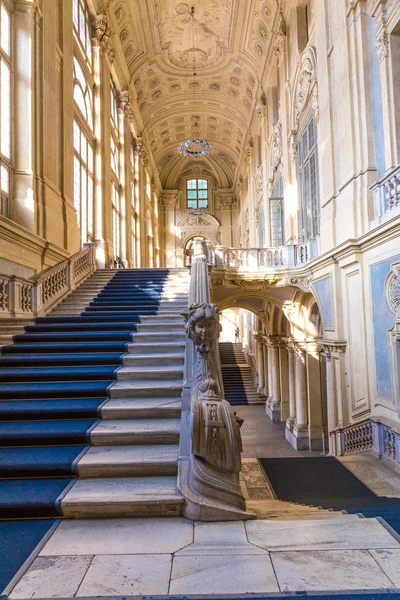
(382, 321)
(323, 291)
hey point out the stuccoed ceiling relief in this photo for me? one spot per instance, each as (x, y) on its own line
(232, 39)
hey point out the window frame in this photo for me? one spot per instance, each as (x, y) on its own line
(197, 189)
(276, 205)
(6, 161)
(309, 204)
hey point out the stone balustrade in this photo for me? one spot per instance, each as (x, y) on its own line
(29, 298)
(387, 193)
(281, 257)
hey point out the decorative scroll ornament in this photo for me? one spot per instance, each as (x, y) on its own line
(256, 285)
(195, 148)
(392, 289)
(102, 35)
(276, 148)
(304, 86)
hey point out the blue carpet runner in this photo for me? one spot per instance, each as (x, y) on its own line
(54, 379)
(18, 540)
(326, 482)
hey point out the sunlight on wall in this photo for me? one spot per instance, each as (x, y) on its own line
(230, 319)
(291, 199)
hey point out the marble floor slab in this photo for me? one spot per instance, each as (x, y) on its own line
(119, 536)
(127, 575)
(52, 577)
(219, 539)
(328, 570)
(326, 535)
(389, 562)
(222, 575)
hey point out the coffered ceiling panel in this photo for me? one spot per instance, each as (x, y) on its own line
(226, 43)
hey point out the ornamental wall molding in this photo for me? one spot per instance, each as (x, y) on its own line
(304, 283)
(332, 347)
(256, 285)
(259, 181)
(227, 199)
(279, 32)
(392, 289)
(305, 88)
(102, 36)
(276, 149)
(169, 199)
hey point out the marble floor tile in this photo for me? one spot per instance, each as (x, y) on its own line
(222, 575)
(52, 577)
(120, 536)
(326, 534)
(389, 562)
(219, 539)
(127, 574)
(328, 570)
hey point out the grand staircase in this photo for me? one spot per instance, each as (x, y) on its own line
(237, 376)
(90, 401)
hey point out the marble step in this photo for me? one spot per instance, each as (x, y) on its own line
(160, 336)
(146, 389)
(135, 432)
(156, 326)
(141, 408)
(155, 360)
(164, 318)
(156, 348)
(129, 461)
(123, 497)
(149, 372)
(165, 314)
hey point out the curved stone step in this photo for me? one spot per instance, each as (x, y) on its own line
(123, 497)
(141, 408)
(136, 432)
(129, 461)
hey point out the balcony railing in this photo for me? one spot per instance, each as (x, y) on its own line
(281, 257)
(28, 298)
(387, 193)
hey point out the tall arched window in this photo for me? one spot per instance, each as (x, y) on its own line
(5, 108)
(197, 193)
(84, 141)
(115, 172)
(276, 213)
(307, 164)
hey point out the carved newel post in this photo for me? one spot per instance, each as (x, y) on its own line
(209, 476)
(216, 436)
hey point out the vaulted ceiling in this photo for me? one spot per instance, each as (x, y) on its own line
(227, 41)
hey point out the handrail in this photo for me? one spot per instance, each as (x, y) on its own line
(211, 445)
(28, 298)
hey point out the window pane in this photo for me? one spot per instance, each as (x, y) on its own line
(191, 184)
(5, 117)
(202, 184)
(203, 203)
(192, 204)
(5, 31)
(202, 194)
(192, 194)
(77, 137)
(5, 183)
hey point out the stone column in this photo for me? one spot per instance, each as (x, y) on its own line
(292, 391)
(260, 364)
(273, 406)
(98, 196)
(336, 391)
(300, 429)
(314, 396)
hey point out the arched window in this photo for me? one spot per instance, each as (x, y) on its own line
(307, 165)
(81, 22)
(5, 111)
(84, 141)
(115, 172)
(276, 214)
(197, 193)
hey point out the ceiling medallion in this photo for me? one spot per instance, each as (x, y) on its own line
(195, 148)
